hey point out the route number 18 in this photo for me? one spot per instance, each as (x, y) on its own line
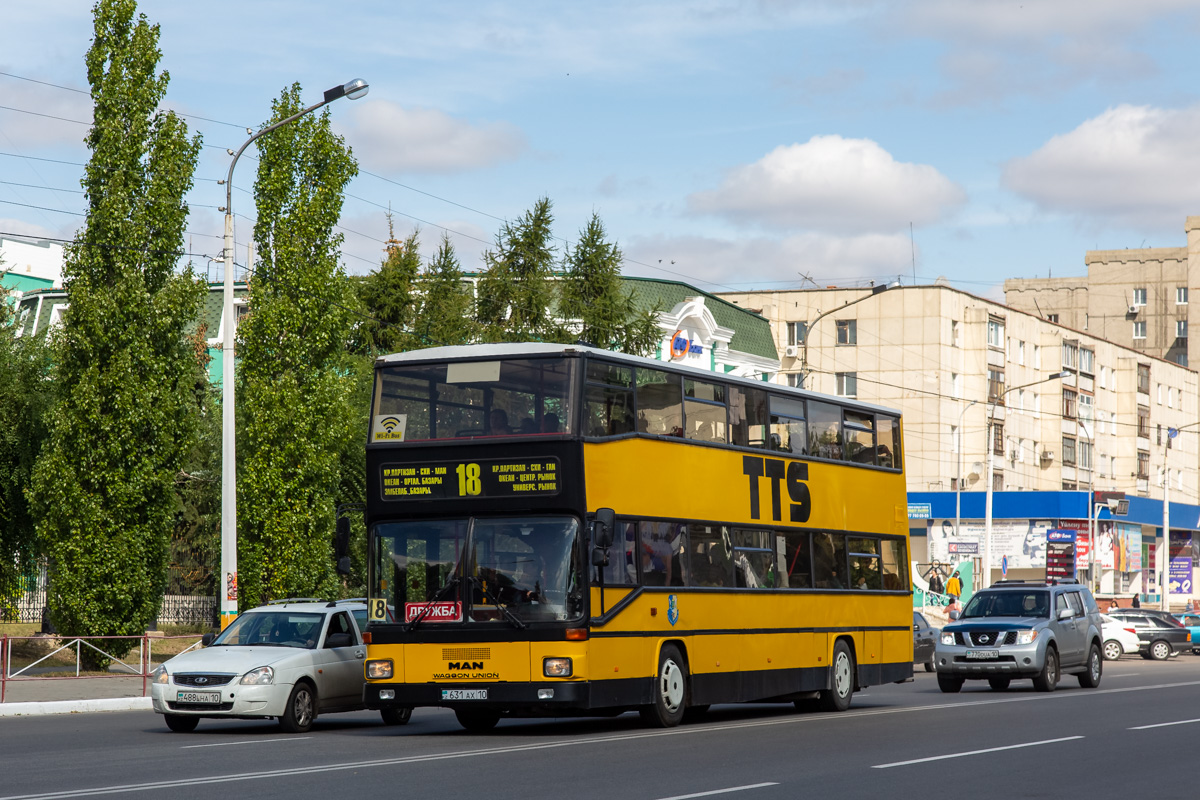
(468, 480)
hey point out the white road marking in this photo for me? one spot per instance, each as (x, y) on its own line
(1165, 724)
(718, 791)
(973, 752)
(248, 741)
(690, 730)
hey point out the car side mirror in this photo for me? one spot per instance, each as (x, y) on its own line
(1066, 613)
(953, 615)
(207, 639)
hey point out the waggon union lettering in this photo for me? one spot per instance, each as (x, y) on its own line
(791, 474)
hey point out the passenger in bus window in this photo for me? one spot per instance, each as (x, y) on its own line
(498, 423)
(528, 426)
(550, 423)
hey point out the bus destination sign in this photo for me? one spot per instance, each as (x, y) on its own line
(452, 480)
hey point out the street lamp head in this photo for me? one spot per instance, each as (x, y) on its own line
(353, 89)
(1058, 375)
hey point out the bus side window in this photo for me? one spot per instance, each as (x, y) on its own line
(664, 553)
(824, 430)
(712, 562)
(894, 563)
(622, 568)
(748, 418)
(829, 560)
(659, 403)
(796, 569)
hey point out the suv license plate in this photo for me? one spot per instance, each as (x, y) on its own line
(983, 654)
(464, 694)
(198, 697)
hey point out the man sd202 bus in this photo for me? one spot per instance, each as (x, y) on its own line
(561, 530)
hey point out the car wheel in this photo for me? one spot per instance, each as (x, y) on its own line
(670, 690)
(931, 664)
(1160, 650)
(477, 720)
(841, 680)
(1113, 650)
(181, 724)
(1090, 678)
(999, 684)
(395, 716)
(1047, 679)
(948, 684)
(301, 709)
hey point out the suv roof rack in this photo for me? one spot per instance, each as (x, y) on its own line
(295, 600)
(333, 603)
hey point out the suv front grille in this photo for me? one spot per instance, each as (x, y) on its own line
(985, 638)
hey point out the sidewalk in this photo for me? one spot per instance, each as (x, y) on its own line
(73, 696)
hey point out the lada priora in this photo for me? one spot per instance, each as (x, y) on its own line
(1018, 629)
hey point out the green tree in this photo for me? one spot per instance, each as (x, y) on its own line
(389, 297)
(445, 316)
(592, 293)
(295, 382)
(24, 399)
(125, 412)
(516, 295)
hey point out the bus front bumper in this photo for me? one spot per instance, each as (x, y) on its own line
(544, 697)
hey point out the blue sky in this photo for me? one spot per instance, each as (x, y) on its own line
(734, 145)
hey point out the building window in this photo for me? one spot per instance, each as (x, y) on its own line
(955, 385)
(1170, 397)
(1068, 451)
(1037, 356)
(1143, 379)
(847, 331)
(1139, 297)
(1143, 422)
(794, 379)
(1139, 329)
(1021, 451)
(1143, 465)
(1068, 406)
(1159, 394)
(995, 384)
(1085, 407)
(997, 437)
(1070, 355)
(995, 333)
(1021, 352)
(955, 443)
(1181, 329)
(1087, 361)
(954, 333)
(1181, 295)
(795, 332)
(847, 384)
(1084, 454)
(1052, 318)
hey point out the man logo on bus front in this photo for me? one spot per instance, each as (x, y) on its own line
(672, 609)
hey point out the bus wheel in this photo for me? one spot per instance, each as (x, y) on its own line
(670, 690)
(841, 680)
(477, 720)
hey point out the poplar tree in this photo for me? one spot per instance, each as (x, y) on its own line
(295, 382)
(592, 296)
(515, 295)
(124, 375)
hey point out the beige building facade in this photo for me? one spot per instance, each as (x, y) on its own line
(1137, 298)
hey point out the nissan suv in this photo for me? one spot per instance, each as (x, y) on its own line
(1023, 629)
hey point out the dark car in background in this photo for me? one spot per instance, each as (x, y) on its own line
(1160, 634)
(925, 638)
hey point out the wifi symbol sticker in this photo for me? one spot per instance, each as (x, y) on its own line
(389, 428)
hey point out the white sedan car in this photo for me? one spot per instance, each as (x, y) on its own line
(289, 660)
(1118, 638)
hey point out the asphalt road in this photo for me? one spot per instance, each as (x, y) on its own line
(906, 740)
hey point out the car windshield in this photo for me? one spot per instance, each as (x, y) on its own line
(273, 629)
(1008, 604)
(500, 570)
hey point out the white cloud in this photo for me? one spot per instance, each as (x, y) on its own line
(1131, 165)
(832, 184)
(396, 139)
(719, 264)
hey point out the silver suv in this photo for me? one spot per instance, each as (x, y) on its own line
(1021, 629)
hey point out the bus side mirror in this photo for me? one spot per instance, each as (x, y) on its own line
(599, 557)
(602, 527)
(341, 545)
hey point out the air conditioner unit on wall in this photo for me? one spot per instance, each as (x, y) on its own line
(1047, 455)
(791, 351)
(1133, 309)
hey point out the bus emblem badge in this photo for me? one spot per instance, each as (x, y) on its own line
(672, 609)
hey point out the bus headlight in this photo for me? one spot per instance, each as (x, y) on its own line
(379, 669)
(556, 667)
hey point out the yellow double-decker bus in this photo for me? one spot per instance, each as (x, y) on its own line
(560, 530)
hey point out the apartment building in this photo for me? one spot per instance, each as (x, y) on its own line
(1137, 298)
(950, 360)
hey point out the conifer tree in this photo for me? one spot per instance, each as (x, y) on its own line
(389, 295)
(515, 300)
(445, 315)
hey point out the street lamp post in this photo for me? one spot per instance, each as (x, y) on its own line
(958, 479)
(228, 580)
(883, 287)
(1091, 506)
(1166, 560)
(987, 508)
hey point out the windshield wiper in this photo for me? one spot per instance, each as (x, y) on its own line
(419, 618)
(510, 616)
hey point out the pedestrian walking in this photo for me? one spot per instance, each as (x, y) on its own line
(954, 586)
(1136, 602)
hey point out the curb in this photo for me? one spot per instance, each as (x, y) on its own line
(75, 706)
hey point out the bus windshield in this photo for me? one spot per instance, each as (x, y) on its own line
(501, 570)
(464, 399)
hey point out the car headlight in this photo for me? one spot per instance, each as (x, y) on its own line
(1026, 637)
(160, 675)
(556, 667)
(379, 669)
(947, 638)
(258, 677)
